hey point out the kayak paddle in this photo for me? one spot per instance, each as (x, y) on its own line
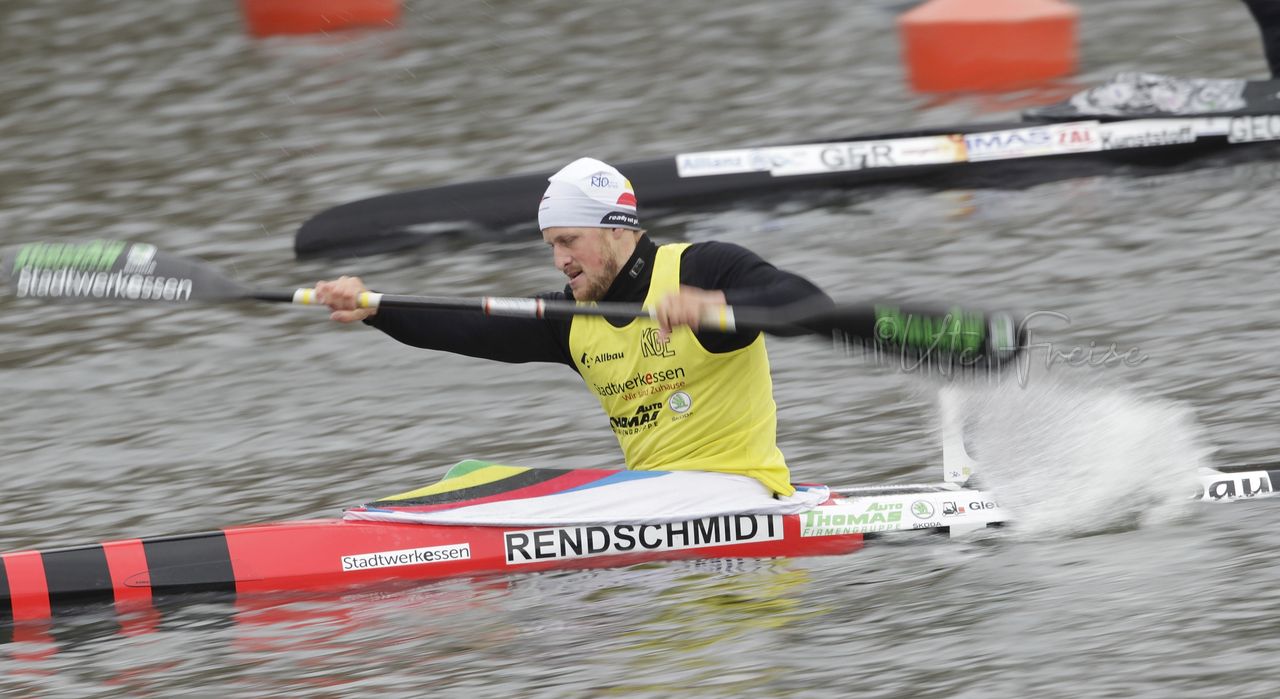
(929, 338)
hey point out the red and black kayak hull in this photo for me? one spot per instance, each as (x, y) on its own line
(333, 554)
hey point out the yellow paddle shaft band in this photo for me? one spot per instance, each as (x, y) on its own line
(717, 318)
(307, 297)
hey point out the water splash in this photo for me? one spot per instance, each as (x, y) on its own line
(1067, 459)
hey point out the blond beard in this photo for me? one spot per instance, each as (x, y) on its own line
(597, 288)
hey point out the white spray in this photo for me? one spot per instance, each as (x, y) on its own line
(1070, 460)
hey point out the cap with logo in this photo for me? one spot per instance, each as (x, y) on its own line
(588, 193)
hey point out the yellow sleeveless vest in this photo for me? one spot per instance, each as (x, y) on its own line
(674, 405)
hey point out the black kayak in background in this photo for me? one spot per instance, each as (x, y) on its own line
(1137, 124)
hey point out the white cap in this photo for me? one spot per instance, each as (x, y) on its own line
(588, 193)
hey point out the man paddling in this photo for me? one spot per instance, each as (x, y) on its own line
(677, 398)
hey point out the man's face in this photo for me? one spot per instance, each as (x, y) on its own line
(589, 257)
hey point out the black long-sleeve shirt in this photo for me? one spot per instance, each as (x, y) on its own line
(745, 279)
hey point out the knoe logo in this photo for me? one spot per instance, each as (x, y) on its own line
(651, 346)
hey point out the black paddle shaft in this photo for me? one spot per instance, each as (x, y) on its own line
(916, 337)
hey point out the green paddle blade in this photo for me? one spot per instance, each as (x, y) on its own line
(922, 339)
(110, 270)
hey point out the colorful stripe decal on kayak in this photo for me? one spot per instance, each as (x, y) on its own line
(462, 477)
(617, 477)
(192, 563)
(510, 485)
(76, 576)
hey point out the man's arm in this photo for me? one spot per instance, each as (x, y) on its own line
(514, 340)
(746, 280)
(745, 277)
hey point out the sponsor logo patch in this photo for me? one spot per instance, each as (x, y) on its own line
(600, 358)
(1052, 139)
(877, 517)
(620, 218)
(1245, 485)
(922, 509)
(644, 417)
(94, 270)
(407, 557)
(97, 256)
(730, 162)
(141, 259)
(1145, 133)
(74, 283)
(639, 381)
(861, 155)
(1248, 129)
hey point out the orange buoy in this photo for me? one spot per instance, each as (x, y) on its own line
(267, 17)
(952, 45)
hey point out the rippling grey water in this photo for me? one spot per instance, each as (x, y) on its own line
(161, 122)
